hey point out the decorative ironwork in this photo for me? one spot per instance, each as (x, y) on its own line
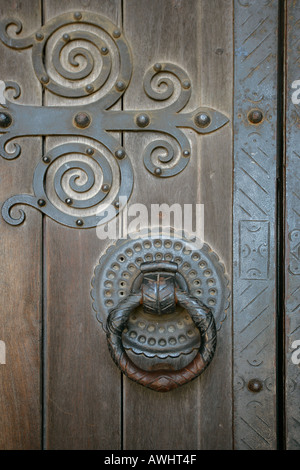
(101, 67)
(254, 222)
(199, 272)
(163, 380)
(137, 282)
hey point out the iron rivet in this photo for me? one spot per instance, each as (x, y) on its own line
(202, 120)
(82, 120)
(39, 36)
(90, 151)
(69, 201)
(89, 88)
(157, 171)
(117, 204)
(116, 33)
(120, 153)
(186, 84)
(79, 222)
(120, 86)
(5, 120)
(41, 202)
(157, 67)
(143, 120)
(255, 116)
(255, 385)
(66, 37)
(45, 79)
(77, 15)
(186, 153)
(104, 50)
(46, 159)
(105, 188)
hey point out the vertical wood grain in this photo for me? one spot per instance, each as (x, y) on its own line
(196, 35)
(20, 253)
(82, 385)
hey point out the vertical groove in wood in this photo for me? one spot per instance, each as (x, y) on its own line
(82, 383)
(292, 227)
(20, 253)
(254, 236)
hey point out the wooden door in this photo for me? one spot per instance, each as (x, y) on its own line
(201, 81)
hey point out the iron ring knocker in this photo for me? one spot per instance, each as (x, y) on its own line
(161, 380)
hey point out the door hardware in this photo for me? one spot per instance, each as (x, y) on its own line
(95, 120)
(183, 292)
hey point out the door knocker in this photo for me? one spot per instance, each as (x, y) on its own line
(161, 302)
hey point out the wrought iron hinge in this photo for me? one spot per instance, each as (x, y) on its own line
(105, 75)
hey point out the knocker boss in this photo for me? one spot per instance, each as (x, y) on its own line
(148, 459)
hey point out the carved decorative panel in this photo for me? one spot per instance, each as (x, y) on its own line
(254, 242)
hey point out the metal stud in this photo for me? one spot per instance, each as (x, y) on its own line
(120, 86)
(143, 120)
(104, 50)
(82, 120)
(66, 37)
(116, 33)
(5, 120)
(255, 385)
(186, 84)
(105, 188)
(120, 153)
(158, 171)
(77, 15)
(45, 79)
(79, 222)
(186, 153)
(202, 120)
(117, 204)
(255, 116)
(46, 159)
(90, 151)
(39, 36)
(89, 88)
(157, 67)
(41, 202)
(69, 201)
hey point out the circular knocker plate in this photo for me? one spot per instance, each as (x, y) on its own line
(167, 335)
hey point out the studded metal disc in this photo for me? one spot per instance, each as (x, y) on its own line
(118, 268)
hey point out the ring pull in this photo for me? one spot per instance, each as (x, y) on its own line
(157, 290)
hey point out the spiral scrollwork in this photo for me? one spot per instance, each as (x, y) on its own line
(71, 178)
(69, 40)
(77, 55)
(163, 168)
(164, 88)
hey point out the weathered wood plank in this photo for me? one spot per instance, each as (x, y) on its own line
(83, 399)
(21, 261)
(196, 35)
